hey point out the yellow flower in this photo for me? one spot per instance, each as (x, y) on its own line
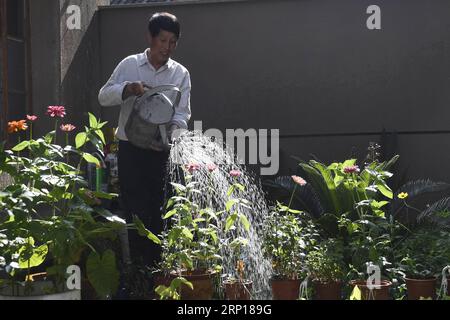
(403, 195)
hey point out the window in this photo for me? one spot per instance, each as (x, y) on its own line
(14, 81)
(15, 18)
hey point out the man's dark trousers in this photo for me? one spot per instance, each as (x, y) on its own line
(142, 178)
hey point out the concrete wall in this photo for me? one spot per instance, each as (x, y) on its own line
(313, 70)
(45, 52)
(80, 60)
(64, 61)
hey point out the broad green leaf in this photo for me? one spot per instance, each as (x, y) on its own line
(178, 186)
(143, 231)
(187, 233)
(37, 258)
(91, 159)
(384, 189)
(80, 140)
(102, 124)
(230, 221)
(378, 204)
(244, 222)
(93, 123)
(104, 195)
(101, 135)
(170, 213)
(338, 178)
(230, 203)
(173, 236)
(102, 273)
(21, 146)
(349, 163)
(379, 213)
(230, 190)
(180, 280)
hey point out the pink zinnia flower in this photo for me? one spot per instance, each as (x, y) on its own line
(191, 167)
(211, 167)
(235, 173)
(298, 180)
(32, 118)
(67, 127)
(351, 169)
(56, 111)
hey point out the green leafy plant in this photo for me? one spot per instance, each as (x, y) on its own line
(325, 262)
(191, 244)
(49, 219)
(289, 235)
(424, 253)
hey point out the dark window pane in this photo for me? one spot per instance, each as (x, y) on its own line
(16, 66)
(14, 11)
(16, 107)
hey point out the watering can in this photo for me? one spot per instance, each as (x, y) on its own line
(147, 125)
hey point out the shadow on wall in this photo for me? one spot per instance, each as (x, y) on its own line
(81, 83)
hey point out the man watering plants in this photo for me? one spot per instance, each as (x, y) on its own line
(143, 147)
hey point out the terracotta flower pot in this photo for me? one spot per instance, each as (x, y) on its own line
(328, 290)
(381, 293)
(285, 289)
(238, 290)
(202, 282)
(417, 288)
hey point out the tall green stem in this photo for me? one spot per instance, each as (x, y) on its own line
(67, 143)
(292, 196)
(56, 131)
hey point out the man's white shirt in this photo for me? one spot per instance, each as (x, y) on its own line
(137, 68)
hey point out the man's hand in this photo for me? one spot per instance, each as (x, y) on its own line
(174, 132)
(133, 89)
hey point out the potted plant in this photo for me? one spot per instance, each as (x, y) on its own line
(191, 246)
(49, 221)
(325, 266)
(237, 226)
(289, 235)
(238, 288)
(421, 256)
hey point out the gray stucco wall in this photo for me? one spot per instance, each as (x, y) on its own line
(313, 70)
(65, 63)
(45, 52)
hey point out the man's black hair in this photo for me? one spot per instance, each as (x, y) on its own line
(164, 21)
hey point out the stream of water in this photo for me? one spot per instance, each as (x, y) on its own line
(206, 154)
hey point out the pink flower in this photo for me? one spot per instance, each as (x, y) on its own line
(67, 127)
(191, 167)
(211, 167)
(235, 173)
(56, 111)
(32, 118)
(351, 169)
(298, 180)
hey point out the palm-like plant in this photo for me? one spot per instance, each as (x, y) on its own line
(413, 217)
